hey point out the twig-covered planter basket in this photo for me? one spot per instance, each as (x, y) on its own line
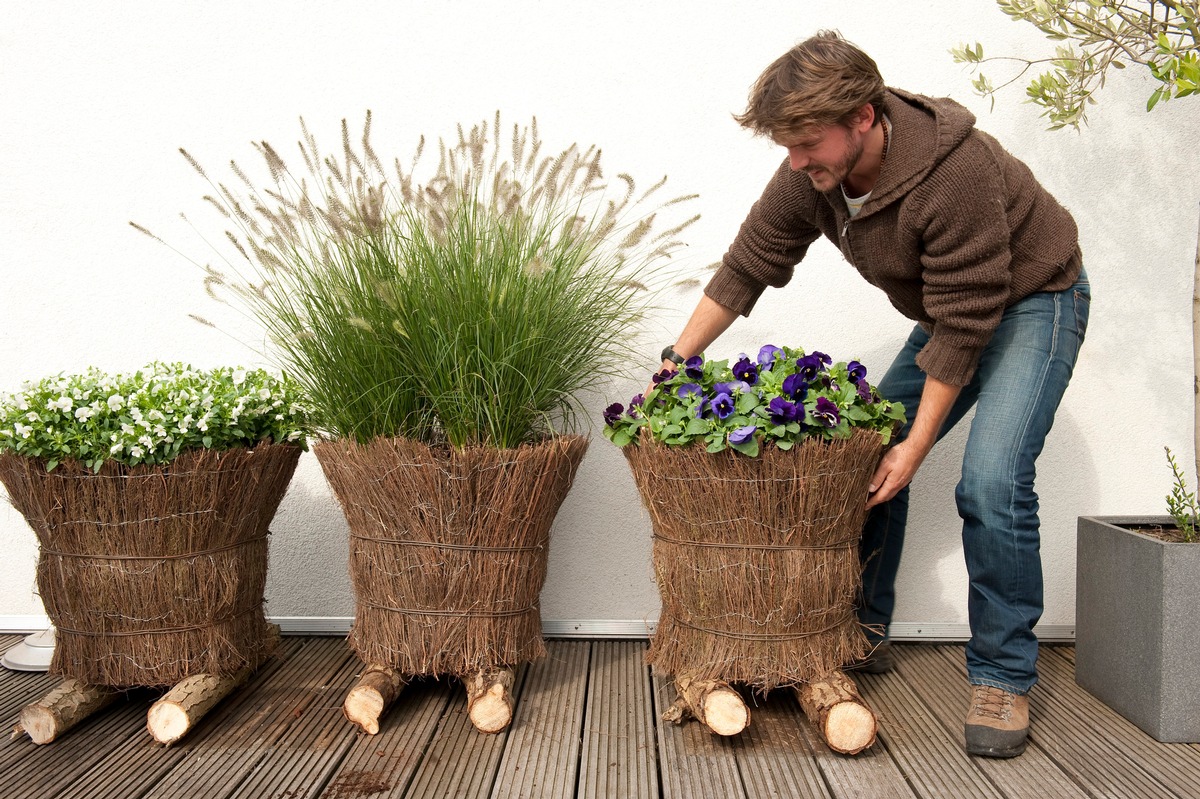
(151, 496)
(757, 558)
(756, 479)
(448, 550)
(154, 573)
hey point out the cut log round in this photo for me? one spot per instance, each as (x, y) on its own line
(181, 708)
(489, 698)
(833, 704)
(61, 709)
(711, 702)
(375, 690)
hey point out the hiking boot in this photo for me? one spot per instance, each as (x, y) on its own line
(878, 660)
(997, 723)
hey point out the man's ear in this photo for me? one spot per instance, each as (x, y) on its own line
(864, 118)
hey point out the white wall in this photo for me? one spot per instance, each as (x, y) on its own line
(95, 98)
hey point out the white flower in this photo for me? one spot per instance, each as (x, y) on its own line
(84, 412)
(115, 449)
(239, 376)
(33, 417)
(24, 430)
(128, 429)
(63, 403)
(146, 441)
(116, 402)
(264, 393)
(136, 452)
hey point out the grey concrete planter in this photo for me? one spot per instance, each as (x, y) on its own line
(1137, 624)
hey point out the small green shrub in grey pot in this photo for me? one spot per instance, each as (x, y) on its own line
(1137, 622)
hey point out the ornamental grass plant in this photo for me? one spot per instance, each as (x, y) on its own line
(473, 308)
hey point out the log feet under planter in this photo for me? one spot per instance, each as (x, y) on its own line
(711, 702)
(375, 690)
(833, 704)
(489, 698)
(180, 709)
(61, 709)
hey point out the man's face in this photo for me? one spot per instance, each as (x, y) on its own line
(825, 154)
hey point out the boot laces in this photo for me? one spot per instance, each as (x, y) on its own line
(992, 702)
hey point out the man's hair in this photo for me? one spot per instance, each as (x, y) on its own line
(822, 81)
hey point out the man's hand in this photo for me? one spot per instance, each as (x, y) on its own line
(900, 463)
(896, 470)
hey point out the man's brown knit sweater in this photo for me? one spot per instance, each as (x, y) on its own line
(956, 230)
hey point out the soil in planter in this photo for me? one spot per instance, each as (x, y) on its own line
(1171, 535)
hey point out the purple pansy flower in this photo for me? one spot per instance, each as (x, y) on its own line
(808, 366)
(663, 376)
(721, 405)
(856, 371)
(821, 357)
(612, 413)
(768, 355)
(783, 411)
(745, 371)
(826, 412)
(636, 402)
(729, 388)
(864, 391)
(688, 388)
(693, 367)
(742, 434)
(795, 387)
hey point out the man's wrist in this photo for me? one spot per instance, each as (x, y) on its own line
(669, 354)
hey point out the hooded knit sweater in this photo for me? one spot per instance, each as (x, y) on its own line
(956, 230)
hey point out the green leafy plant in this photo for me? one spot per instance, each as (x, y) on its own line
(780, 399)
(474, 308)
(1097, 35)
(1181, 503)
(150, 416)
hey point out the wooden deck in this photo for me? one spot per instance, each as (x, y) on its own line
(587, 725)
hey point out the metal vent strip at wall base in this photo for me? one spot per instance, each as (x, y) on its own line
(588, 628)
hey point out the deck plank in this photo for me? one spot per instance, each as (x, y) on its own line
(381, 766)
(872, 773)
(1099, 767)
(31, 771)
(693, 763)
(461, 762)
(139, 763)
(773, 756)
(224, 753)
(618, 759)
(1175, 766)
(302, 761)
(541, 758)
(942, 688)
(587, 724)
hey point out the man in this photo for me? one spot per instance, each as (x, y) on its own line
(964, 241)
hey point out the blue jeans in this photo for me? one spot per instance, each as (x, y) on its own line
(1022, 375)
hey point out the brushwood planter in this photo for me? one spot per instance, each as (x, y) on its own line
(151, 574)
(1137, 625)
(448, 548)
(756, 559)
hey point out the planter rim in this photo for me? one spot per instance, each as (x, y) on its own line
(1122, 522)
